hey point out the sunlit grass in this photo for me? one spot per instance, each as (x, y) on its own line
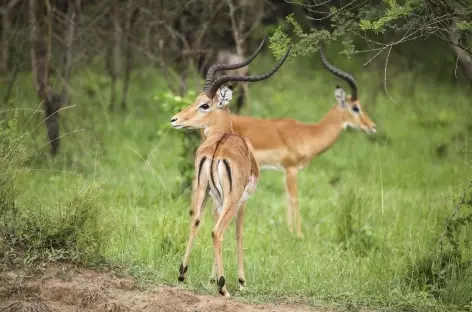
(397, 189)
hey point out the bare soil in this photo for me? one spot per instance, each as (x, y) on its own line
(55, 288)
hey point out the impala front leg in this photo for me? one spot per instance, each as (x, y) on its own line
(293, 211)
(199, 200)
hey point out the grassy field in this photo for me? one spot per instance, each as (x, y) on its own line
(374, 207)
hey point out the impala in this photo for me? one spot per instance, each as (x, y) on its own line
(225, 166)
(293, 144)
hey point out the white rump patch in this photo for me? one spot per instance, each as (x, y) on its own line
(249, 189)
(219, 183)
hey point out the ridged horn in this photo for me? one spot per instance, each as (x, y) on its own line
(217, 67)
(214, 87)
(343, 75)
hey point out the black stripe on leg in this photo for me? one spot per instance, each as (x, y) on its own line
(200, 165)
(213, 179)
(228, 170)
(223, 138)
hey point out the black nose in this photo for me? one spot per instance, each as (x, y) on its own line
(173, 119)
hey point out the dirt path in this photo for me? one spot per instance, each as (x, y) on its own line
(85, 290)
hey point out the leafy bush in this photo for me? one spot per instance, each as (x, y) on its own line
(446, 272)
(352, 233)
(172, 104)
(73, 230)
(12, 158)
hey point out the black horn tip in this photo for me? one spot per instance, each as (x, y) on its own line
(263, 39)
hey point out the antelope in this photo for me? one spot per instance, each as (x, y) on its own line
(229, 58)
(225, 165)
(293, 144)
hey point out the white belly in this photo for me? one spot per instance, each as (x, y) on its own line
(269, 159)
(271, 167)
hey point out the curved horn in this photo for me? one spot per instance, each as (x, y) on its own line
(214, 87)
(343, 75)
(217, 67)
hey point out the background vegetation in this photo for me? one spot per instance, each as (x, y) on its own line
(387, 218)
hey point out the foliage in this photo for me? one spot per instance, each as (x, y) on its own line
(445, 265)
(172, 104)
(12, 157)
(307, 43)
(381, 26)
(72, 230)
(365, 235)
(353, 233)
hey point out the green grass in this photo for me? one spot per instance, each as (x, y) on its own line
(363, 236)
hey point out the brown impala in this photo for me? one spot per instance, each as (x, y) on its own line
(293, 144)
(225, 165)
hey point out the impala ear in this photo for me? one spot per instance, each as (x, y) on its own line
(223, 96)
(340, 96)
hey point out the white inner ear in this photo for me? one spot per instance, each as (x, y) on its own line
(224, 96)
(340, 96)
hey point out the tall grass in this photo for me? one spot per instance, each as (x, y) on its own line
(374, 209)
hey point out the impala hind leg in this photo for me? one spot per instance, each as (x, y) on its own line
(214, 268)
(293, 211)
(239, 245)
(199, 204)
(229, 210)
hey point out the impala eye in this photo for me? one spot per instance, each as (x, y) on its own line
(355, 108)
(204, 106)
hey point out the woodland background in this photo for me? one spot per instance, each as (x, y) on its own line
(92, 173)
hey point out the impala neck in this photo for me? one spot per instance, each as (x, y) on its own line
(326, 132)
(221, 124)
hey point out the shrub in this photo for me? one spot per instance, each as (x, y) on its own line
(445, 271)
(73, 229)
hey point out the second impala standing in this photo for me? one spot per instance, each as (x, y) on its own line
(293, 144)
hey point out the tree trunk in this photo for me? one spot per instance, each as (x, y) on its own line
(69, 35)
(463, 57)
(6, 26)
(40, 57)
(464, 60)
(130, 19)
(40, 64)
(114, 55)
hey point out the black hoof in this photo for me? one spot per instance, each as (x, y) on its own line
(182, 271)
(221, 283)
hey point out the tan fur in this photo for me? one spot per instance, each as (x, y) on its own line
(289, 145)
(229, 189)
